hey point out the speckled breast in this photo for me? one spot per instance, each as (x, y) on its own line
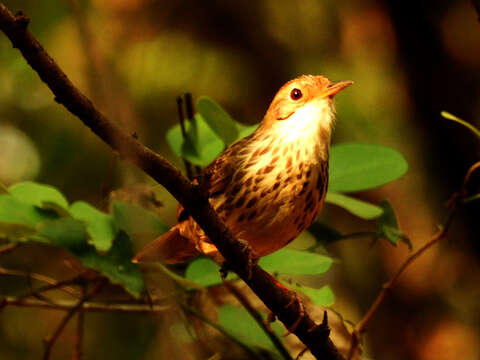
(270, 201)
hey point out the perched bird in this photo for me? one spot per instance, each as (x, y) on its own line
(268, 187)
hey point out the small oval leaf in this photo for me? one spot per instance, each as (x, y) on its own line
(205, 272)
(36, 194)
(357, 207)
(218, 120)
(294, 262)
(322, 297)
(100, 226)
(209, 145)
(358, 167)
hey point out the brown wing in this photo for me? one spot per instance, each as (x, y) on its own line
(218, 174)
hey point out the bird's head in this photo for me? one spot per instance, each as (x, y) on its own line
(303, 104)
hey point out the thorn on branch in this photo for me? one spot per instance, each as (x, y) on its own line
(301, 312)
(325, 319)
(22, 20)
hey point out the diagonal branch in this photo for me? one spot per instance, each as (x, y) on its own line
(52, 339)
(276, 297)
(454, 202)
(67, 305)
(258, 318)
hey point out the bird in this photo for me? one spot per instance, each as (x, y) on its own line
(269, 186)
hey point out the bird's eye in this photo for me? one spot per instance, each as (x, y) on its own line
(296, 94)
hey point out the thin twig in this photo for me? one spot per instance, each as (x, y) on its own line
(191, 118)
(61, 285)
(456, 200)
(52, 339)
(181, 119)
(79, 331)
(220, 329)
(259, 319)
(8, 248)
(67, 305)
(79, 336)
(273, 295)
(52, 283)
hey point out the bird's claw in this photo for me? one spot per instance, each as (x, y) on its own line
(301, 310)
(252, 258)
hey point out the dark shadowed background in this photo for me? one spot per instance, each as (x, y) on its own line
(409, 60)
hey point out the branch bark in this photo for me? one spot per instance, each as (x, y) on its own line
(67, 305)
(276, 297)
(454, 202)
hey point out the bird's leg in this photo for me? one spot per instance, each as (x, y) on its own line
(301, 310)
(224, 268)
(202, 181)
(252, 258)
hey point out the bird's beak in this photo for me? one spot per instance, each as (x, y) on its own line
(335, 87)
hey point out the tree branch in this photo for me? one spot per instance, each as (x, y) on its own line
(455, 201)
(67, 305)
(259, 319)
(52, 339)
(276, 297)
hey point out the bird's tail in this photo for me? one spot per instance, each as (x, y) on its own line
(171, 247)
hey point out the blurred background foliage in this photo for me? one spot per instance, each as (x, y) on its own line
(409, 60)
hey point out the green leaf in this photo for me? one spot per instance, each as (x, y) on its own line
(240, 323)
(324, 233)
(387, 225)
(100, 226)
(469, 126)
(138, 222)
(37, 194)
(322, 297)
(116, 264)
(357, 207)
(304, 241)
(245, 130)
(16, 232)
(358, 167)
(209, 145)
(67, 233)
(205, 272)
(13, 210)
(218, 120)
(293, 262)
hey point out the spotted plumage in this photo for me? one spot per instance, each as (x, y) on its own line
(269, 186)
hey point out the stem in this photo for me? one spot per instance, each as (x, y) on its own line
(67, 305)
(52, 339)
(455, 201)
(221, 330)
(181, 118)
(275, 297)
(52, 283)
(259, 319)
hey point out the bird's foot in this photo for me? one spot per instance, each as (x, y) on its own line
(224, 269)
(252, 258)
(301, 312)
